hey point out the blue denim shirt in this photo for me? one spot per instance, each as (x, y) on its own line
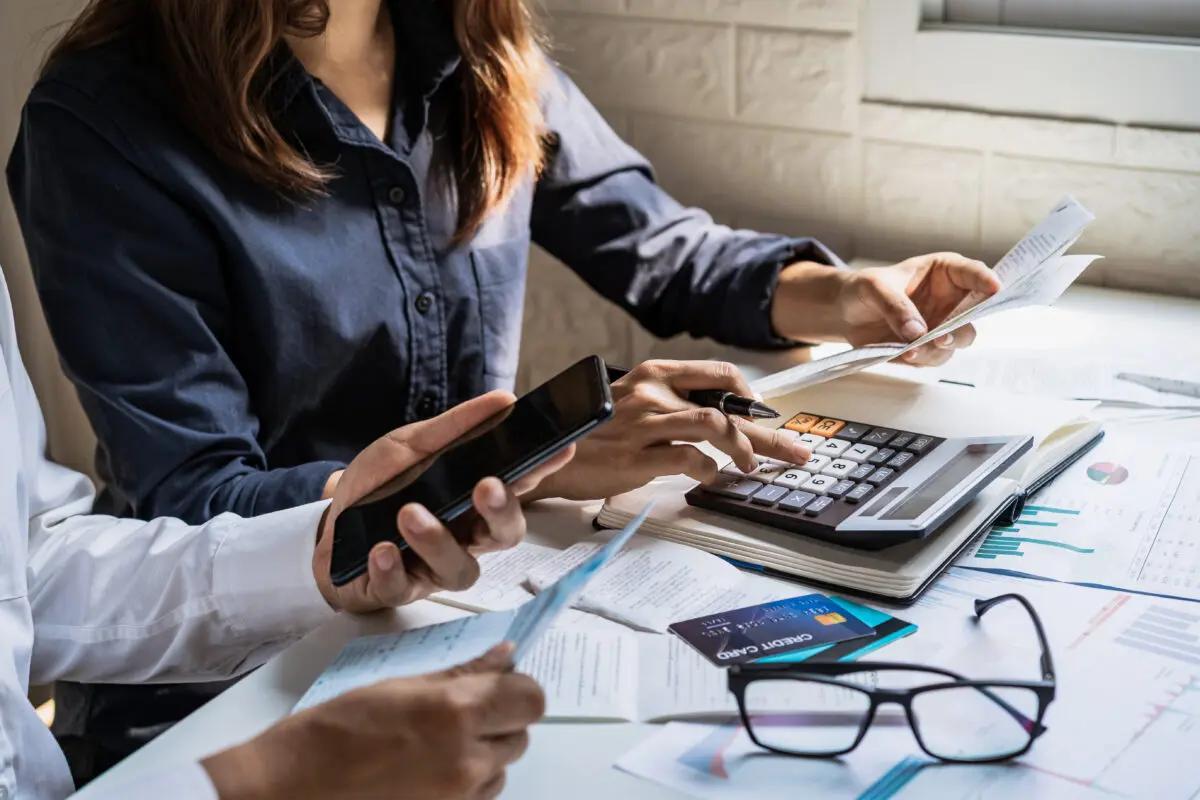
(233, 348)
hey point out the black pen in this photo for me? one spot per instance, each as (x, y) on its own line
(726, 402)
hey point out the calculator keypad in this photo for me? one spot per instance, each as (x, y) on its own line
(881, 456)
(851, 463)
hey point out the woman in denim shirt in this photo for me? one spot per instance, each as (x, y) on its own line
(266, 231)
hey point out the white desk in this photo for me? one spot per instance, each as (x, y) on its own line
(1160, 330)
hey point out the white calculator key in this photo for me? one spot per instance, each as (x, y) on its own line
(792, 478)
(815, 464)
(732, 470)
(833, 448)
(859, 453)
(812, 440)
(819, 484)
(839, 468)
(767, 472)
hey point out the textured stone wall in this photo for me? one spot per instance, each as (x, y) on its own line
(753, 109)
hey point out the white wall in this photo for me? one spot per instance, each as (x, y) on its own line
(754, 110)
(27, 28)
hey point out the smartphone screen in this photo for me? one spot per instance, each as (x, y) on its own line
(508, 446)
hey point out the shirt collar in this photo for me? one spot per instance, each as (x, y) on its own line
(427, 55)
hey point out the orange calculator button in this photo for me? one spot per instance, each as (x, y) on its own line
(802, 423)
(827, 427)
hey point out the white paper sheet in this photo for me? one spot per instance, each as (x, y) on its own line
(1128, 668)
(1049, 375)
(719, 762)
(501, 578)
(652, 583)
(1127, 515)
(371, 659)
(1123, 724)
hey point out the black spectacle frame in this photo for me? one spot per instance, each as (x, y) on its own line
(742, 675)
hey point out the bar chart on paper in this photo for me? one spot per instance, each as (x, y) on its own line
(1169, 632)
(1033, 529)
(1124, 516)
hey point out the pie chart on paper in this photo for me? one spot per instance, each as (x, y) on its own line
(1107, 472)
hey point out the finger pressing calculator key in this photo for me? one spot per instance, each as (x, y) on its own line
(768, 471)
(865, 485)
(812, 440)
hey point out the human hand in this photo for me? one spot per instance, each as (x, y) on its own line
(436, 558)
(652, 422)
(450, 734)
(882, 304)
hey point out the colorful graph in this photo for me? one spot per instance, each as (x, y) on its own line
(1030, 530)
(1107, 473)
(1165, 632)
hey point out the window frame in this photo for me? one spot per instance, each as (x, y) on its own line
(952, 66)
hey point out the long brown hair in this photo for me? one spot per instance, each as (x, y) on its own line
(218, 55)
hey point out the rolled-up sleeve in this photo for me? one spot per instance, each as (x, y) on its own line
(108, 241)
(598, 209)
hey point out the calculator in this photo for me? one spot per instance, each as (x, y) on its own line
(866, 486)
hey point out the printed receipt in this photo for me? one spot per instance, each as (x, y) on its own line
(1033, 272)
(371, 659)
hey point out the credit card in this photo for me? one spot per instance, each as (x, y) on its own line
(781, 626)
(887, 630)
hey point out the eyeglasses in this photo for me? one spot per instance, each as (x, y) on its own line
(823, 710)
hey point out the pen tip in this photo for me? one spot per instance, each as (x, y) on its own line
(763, 411)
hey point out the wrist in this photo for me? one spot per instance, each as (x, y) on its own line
(806, 304)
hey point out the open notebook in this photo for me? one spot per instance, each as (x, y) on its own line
(1061, 429)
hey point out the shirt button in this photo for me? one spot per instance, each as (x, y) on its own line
(428, 406)
(396, 195)
(424, 302)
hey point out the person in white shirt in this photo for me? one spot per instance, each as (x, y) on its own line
(93, 598)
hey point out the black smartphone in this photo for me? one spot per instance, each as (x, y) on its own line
(508, 445)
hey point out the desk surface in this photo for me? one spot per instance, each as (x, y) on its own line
(1088, 321)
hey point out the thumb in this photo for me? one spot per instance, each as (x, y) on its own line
(497, 659)
(897, 310)
(431, 435)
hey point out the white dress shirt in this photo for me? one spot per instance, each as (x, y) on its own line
(98, 599)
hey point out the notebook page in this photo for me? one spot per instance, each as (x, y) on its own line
(418, 651)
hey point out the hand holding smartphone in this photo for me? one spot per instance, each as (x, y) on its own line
(509, 445)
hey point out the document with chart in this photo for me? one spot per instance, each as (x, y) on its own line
(1107, 736)
(370, 659)
(1125, 516)
(1033, 272)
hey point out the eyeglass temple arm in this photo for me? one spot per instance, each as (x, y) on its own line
(981, 607)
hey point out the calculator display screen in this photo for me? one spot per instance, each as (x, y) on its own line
(966, 461)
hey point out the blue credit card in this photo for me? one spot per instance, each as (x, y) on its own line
(887, 630)
(770, 629)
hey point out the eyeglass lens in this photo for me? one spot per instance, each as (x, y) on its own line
(809, 717)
